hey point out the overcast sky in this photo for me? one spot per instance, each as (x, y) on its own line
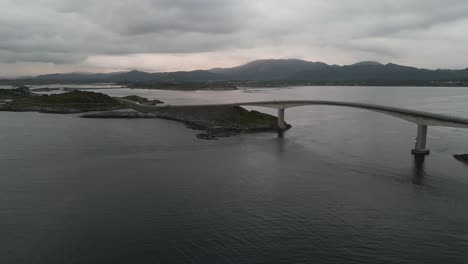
(41, 36)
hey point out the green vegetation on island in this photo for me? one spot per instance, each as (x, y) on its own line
(71, 102)
(216, 121)
(12, 94)
(462, 158)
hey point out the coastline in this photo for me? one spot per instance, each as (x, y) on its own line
(215, 121)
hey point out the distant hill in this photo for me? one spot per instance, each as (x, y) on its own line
(376, 71)
(269, 69)
(69, 76)
(135, 76)
(190, 76)
(275, 70)
(131, 76)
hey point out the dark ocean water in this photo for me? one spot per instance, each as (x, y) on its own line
(340, 187)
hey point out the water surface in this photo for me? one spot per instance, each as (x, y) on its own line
(340, 187)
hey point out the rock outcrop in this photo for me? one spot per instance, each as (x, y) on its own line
(216, 121)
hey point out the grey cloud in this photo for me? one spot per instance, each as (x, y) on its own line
(50, 57)
(117, 27)
(69, 31)
(155, 16)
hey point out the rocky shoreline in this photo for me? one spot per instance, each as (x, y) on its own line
(22, 100)
(462, 157)
(215, 121)
(65, 109)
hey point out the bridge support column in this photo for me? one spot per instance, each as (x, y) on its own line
(281, 122)
(421, 139)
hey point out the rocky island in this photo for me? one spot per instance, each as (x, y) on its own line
(462, 158)
(215, 121)
(21, 100)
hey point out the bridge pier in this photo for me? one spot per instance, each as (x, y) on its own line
(421, 139)
(281, 123)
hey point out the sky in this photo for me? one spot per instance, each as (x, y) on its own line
(48, 36)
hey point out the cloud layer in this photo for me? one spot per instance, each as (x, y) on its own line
(158, 35)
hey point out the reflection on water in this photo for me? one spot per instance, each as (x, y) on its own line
(281, 142)
(419, 173)
(281, 134)
(332, 189)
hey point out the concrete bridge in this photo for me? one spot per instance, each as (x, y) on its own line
(422, 119)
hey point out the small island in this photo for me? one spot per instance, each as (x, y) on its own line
(215, 121)
(22, 100)
(462, 158)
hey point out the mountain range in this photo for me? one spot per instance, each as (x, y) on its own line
(276, 70)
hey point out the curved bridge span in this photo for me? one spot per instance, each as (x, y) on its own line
(421, 118)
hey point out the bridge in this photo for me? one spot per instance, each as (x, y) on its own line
(422, 119)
